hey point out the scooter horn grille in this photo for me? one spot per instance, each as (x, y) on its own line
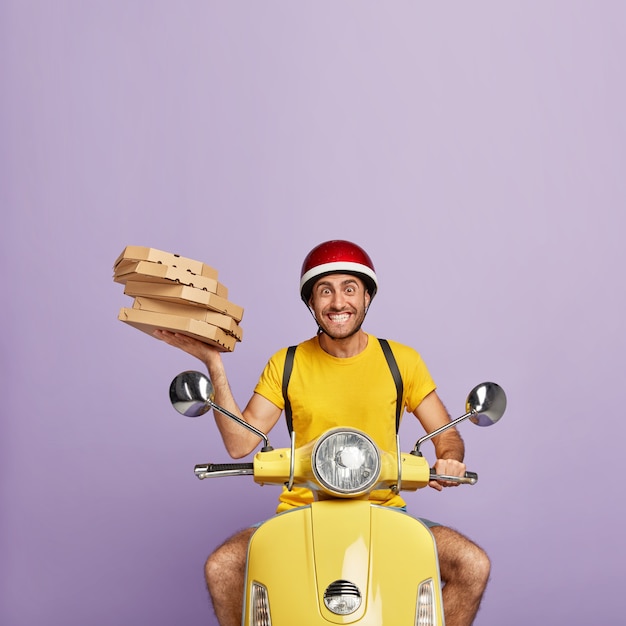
(343, 587)
(342, 597)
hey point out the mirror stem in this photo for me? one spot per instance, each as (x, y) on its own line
(416, 450)
(243, 423)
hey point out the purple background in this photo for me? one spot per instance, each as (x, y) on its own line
(475, 149)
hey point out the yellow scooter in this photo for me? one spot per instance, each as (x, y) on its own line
(336, 561)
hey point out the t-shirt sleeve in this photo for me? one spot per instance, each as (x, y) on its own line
(270, 384)
(420, 382)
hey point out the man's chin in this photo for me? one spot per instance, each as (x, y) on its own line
(339, 336)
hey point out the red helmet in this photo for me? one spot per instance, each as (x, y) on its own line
(337, 257)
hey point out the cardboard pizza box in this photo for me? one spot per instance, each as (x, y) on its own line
(148, 271)
(139, 253)
(226, 323)
(148, 322)
(183, 294)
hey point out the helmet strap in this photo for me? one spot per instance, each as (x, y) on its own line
(319, 328)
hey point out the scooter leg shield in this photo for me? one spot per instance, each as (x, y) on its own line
(380, 554)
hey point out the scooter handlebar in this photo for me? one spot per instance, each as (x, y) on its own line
(470, 478)
(212, 470)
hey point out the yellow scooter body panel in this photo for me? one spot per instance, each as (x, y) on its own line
(386, 553)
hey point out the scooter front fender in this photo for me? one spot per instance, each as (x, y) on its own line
(384, 552)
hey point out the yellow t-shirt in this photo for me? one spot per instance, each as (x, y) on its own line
(358, 392)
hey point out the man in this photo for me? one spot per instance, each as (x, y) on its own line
(342, 366)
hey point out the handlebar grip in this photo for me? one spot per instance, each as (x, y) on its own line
(469, 478)
(226, 467)
(223, 469)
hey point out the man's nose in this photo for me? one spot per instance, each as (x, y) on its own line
(338, 299)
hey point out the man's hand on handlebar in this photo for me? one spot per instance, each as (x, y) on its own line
(447, 467)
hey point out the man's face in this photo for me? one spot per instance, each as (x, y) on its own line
(339, 302)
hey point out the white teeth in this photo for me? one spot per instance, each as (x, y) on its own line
(340, 318)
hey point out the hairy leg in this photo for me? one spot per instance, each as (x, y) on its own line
(465, 571)
(224, 571)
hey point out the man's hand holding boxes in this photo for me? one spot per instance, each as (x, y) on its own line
(178, 294)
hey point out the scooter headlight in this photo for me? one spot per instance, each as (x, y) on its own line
(346, 462)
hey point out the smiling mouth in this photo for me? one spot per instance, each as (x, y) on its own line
(339, 317)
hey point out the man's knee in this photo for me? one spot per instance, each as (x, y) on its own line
(460, 557)
(228, 560)
(487, 561)
(475, 560)
(212, 568)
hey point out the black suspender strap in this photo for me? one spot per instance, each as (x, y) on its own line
(395, 372)
(286, 375)
(391, 361)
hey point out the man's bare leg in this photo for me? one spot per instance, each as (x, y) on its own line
(224, 571)
(465, 571)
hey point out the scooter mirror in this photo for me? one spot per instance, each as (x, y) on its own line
(192, 393)
(488, 400)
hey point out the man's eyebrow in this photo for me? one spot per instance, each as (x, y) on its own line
(347, 281)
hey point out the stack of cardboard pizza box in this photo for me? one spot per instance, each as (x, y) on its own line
(174, 293)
